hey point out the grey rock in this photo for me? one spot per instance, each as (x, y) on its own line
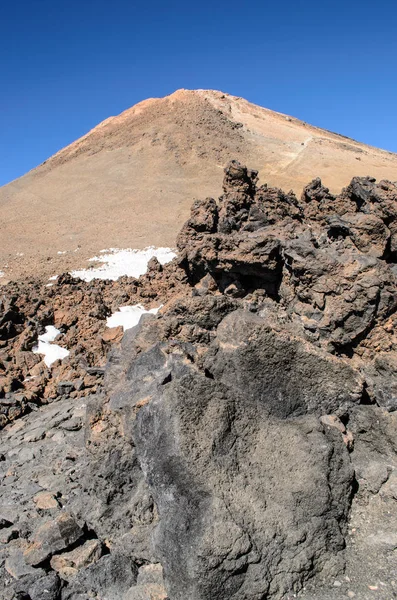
(384, 540)
(72, 424)
(7, 534)
(381, 376)
(249, 356)
(78, 384)
(209, 445)
(389, 490)
(46, 588)
(111, 577)
(97, 371)
(22, 454)
(64, 388)
(373, 475)
(150, 574)
(17, 567)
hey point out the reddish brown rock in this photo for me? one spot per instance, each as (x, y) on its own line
(68, 564)
(112, 335)
(52, 537)
(45, 501)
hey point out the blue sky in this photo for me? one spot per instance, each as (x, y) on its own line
(66, 66)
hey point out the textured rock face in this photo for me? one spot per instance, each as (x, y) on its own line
(252, 493)
(238, 437)
(328, 262)
(233, 402)
(231, 406)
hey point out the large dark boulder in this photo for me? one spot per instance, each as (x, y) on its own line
(253, 493)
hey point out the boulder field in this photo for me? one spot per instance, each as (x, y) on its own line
(240, 444)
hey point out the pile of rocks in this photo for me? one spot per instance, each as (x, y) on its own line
(242, 445)
(79, 311)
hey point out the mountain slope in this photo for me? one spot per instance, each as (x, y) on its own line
(130, 181)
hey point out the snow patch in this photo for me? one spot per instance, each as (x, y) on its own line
(118, 263)
(51, 352)
(51, 334)
(128, 316)
(1, 273)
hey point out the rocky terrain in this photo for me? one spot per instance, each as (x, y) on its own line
(130, 181)
(240, 444)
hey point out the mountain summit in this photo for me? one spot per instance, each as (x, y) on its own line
(130, 181)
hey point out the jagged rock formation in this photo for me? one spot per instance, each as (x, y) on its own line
(241, 434)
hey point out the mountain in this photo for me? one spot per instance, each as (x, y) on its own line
(131, 180)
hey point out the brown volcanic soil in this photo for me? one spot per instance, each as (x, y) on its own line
(130, 181)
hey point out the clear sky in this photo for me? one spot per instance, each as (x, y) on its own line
(66, 66)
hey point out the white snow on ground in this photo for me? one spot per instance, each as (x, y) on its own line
(1, 273)
(53, 278)
(124, 262)
(128, 316)
(51, 333)
(51, 352)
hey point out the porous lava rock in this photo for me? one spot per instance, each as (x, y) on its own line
(253, 494)
(228, 409)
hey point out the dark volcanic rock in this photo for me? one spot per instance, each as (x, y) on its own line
(288, 377)
(243, 440)
(109, 578)
(250, 503)
(46, 588)
(229, 409)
